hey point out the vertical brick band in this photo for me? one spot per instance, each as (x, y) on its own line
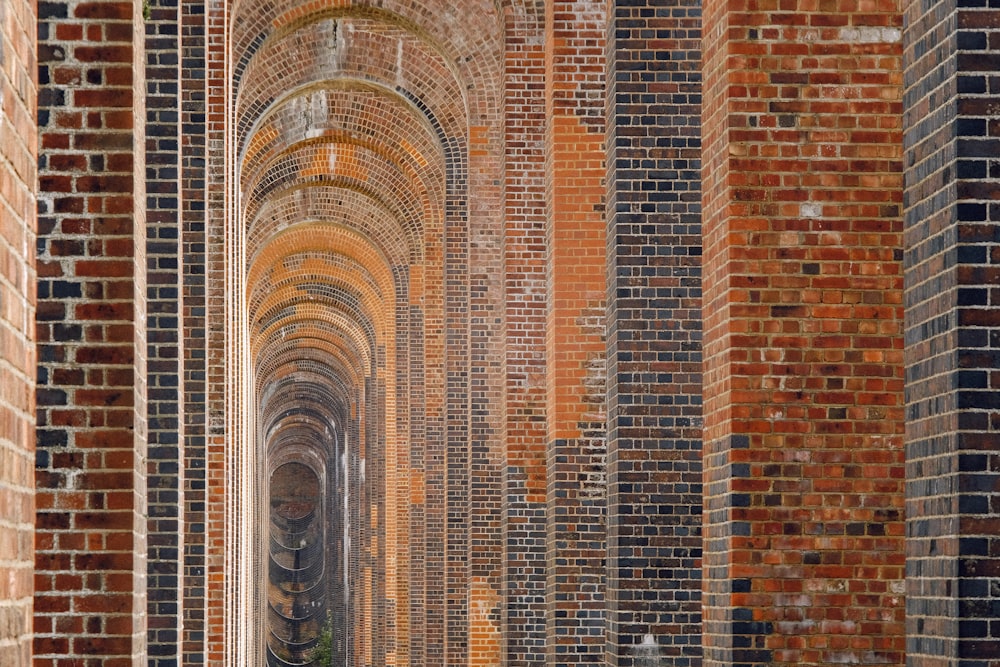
(18, 150)
(91, 469)
(165, 352)
(525, 388)
(952, 213)
(654, 331)
(803, 321)
(575, 332)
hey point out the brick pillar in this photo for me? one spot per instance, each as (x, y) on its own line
(193, 197)
(18, 148)
(654, 335)
(803, 334)
(216, 450)
(575, 331)
(457, 510)
(525, 388)
(165, 350)
(91, 529)
(952, 216)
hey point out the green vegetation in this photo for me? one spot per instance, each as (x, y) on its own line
(322, 653)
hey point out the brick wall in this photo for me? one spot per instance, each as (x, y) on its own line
(18, 148)
(575, 331)
(952, 215)
(803, 287)
(91, 429)
(654, 331)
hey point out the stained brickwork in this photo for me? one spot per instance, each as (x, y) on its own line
(524, 522)
(91, 552)
(18, 150)
(803, 345)
(219, 473)
(575, 332)
(951, 215)
(654, 331)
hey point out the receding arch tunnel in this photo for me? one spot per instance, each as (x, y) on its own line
(351, 165)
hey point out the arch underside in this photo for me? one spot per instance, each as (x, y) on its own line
(357, 134)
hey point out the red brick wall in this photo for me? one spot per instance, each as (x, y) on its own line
(18, 147)
(90, 476)
(803, 280)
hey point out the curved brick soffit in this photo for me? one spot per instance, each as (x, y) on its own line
(324, 134)
(348, 122)
(352, 142)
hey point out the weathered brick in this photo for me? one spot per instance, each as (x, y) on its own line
(18, 149)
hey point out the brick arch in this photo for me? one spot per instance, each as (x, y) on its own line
(362, 49)
(322, 277)
(467, 38)
(332, 325)
(302, 400)
(351, 167)
(439, 306)
(319, 275)
(348, 111)
(330, 205)
(325, 359)
(296, 453)
(287, 306)
(331, 316)
(291, 247)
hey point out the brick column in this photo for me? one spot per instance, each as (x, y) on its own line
(525, 281)
(575, 331)
(193, 197)
(91, 526)
(18, 148)
(952, 216)
(165, 351)
(803, 334)
(654, 335)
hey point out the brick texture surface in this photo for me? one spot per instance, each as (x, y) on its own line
(520, 332)
(654, 332)
(951, 216)
(91, 429)
(575, 332)
(164, 271)
(192, 178)
(18, 148)
(524, 480)
(803, 288)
